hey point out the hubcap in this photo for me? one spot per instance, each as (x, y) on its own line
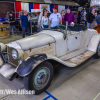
(41, 78)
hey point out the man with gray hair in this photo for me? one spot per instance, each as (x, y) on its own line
(69, 16)
(24, 24)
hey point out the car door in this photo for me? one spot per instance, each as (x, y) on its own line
(73, 41)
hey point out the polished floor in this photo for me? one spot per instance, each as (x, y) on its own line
(80, 83)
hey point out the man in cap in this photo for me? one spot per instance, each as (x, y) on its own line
(69, 16)
(12, 23)
(24, 24)
(55, 18)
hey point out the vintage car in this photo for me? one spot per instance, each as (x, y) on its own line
(34, 57)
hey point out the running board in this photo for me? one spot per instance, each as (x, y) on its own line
(7, 70)
(79, 59)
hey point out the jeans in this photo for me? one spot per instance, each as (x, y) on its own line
(10, 28)
(23, 31)
(45, 26)
(38, 29)
(89, 25)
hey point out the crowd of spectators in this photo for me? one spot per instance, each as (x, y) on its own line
(54, 19)
(92, 19)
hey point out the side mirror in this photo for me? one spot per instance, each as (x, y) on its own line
(72, 24)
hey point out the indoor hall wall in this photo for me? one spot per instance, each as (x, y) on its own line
(6, 7)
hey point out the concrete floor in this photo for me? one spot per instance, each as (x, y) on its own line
(80, 83)
(7, 39)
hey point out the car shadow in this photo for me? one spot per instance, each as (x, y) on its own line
(63, 73)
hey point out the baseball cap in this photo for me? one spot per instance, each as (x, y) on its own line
(54, 8)
(10, 13)
(44, 9)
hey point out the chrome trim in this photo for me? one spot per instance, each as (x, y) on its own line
(8, 57)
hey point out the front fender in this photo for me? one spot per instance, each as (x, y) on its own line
(30, 63)
(94, 43)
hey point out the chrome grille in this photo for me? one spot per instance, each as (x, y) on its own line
(7, 55)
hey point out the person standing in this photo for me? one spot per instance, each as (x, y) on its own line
(12, 24)
(69, 16)
(55, 18)
(24, 24)
(45, 20)
(79, 15)
(90, 18)
(98, 18)
(62, 14)
(39, 19)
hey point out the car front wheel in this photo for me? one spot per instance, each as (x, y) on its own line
(40, 79)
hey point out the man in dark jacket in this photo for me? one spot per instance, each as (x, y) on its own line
(12, 24)
(79, 17)
(90, 18)
(98, 18)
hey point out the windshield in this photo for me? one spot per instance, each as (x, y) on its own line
(61, 27)
(71, 28)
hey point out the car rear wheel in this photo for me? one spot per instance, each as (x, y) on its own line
(40, 79)
(97, 55)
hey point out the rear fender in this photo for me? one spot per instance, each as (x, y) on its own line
(94, 43)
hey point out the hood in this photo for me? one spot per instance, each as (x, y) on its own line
(34, 41)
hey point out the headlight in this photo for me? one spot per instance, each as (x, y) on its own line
(17, 53)
(14, 54)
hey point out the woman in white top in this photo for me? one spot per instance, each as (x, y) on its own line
(45, 20)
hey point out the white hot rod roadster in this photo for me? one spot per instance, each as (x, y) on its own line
(33, 57)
